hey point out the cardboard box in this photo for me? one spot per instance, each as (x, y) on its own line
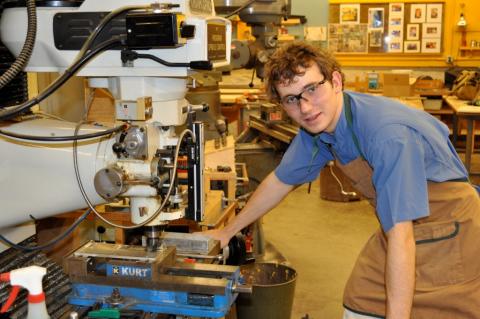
(396, 84)
(432, 104)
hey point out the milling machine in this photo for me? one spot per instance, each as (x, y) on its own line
(142, 53)
(264, 17)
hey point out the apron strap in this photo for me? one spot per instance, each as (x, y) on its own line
(349, 117)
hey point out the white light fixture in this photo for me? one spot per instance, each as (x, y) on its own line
(462, 22)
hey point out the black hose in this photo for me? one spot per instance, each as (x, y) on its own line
(22, 60)
(63, 138)
(51, 242)
(6, 114)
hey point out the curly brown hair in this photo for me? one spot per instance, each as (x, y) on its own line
(288, 61)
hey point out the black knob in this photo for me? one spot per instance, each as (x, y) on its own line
(187, 31)
(101, 229)
(118, 147)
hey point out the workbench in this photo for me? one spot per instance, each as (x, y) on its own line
(470, 114)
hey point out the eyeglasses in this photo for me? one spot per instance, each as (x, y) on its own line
(308, 93)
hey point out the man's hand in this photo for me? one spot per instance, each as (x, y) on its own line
(221, 235)
(268, 194)
(400, 270)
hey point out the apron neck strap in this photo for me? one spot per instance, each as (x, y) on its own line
(348, 115)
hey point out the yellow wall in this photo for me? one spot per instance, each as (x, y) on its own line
(451, 39)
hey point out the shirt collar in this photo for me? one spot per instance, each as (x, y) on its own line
(340, 132)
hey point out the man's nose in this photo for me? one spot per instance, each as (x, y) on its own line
(304, 105)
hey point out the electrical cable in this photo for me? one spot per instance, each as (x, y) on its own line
(162, 205)
(80, 59)
(130, 55)
(51, 242)
(161, 61)
(24, 56)
(40, 113)
(10, 112)
(239, 9)
(64, 138)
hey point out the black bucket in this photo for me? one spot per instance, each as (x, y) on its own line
(273, 291)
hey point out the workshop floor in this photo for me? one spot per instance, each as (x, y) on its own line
(321, 240)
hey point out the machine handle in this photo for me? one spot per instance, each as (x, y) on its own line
(242, 289)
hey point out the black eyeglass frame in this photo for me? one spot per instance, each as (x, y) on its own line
(299, 96)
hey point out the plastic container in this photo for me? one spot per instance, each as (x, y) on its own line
(273, 292)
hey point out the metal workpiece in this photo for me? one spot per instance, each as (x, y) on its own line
(191, 243)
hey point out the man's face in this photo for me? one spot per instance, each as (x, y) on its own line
(310, 101)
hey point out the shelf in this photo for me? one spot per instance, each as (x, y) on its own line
(469, 49)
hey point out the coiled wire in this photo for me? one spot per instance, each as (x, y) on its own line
(27, 49)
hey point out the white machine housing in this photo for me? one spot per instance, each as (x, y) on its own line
(37, 180)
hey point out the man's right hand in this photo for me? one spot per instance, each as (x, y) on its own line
(268, 194)
(221, 235)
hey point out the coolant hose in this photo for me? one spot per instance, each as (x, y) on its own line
(27, 49)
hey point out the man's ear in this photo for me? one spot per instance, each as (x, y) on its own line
(337, 81)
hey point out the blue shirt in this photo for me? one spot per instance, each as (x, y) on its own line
(405, 148)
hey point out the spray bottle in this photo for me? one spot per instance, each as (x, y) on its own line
(29, 278)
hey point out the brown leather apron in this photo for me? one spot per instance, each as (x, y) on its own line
(447, 252)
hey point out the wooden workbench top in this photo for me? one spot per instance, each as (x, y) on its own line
(461, 107)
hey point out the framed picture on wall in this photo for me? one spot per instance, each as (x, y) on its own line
(376, 37)
(375, 18)
(413, 31)
(395, 33)
(395, 46)
(396, 21)
(417, 13)
(431, 30)
(348, 38)
(349, 13)
(431, 45)
(434, 13)
(411, 46)
(396, 10)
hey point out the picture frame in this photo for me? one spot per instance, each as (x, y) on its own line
(431, 45)
(395, 46)
(396, 21)
(411, 46)
(349, 13)
(417, 13)
(413, 31)
(434, 13)
(348, 38)
(396, 9)
(375, 38)
(376, 18)
(396, 33)
(431, 30)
